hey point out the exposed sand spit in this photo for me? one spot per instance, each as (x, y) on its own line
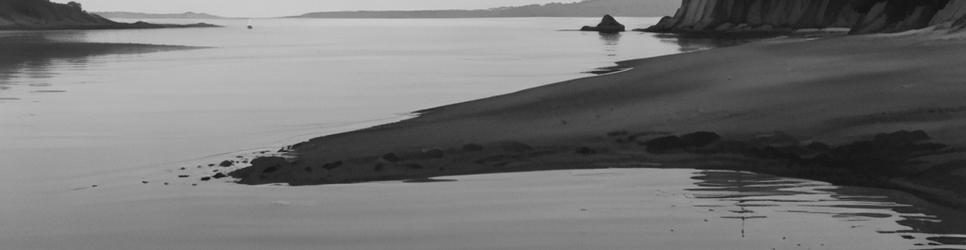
(835, 91)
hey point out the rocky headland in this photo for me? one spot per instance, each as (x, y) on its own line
(861, 16)
(46, 15)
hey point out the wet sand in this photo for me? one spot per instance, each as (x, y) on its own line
(835, 90)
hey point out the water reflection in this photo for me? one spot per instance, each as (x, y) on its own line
(611, 47)
(611, 42)
(690, 43)
(747, 197)
(30, 57)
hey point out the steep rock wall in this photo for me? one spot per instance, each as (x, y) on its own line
(862, 16)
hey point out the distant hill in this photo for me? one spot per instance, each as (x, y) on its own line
(139, 15)
(587, 8)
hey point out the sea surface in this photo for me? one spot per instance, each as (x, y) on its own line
(91, 137)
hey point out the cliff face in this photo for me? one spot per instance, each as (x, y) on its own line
(41, 14)
(862, 16)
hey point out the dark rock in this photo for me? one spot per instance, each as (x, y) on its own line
(586, 151)
(664, 144)
(700, 139)
(184, 176)
(308, 169)
(219, 176)
(902, 137)
(378, 167)
(515, 147)
(205, 178)
(887, 154)
(414, 166)
(427, 180)
(776, 139)
(635, 136)
(270, 170)
(472, 147)
(818, 146)
(607, 25)
(391, 157)
(618, 133)
(264, 165)
(332, 165)
(790, 153)
(434, 153)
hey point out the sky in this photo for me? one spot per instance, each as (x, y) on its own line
(273, 8)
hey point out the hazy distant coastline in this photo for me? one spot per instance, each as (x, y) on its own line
(140, 15)
(588, 8)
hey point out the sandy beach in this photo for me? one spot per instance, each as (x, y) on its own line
(834, 90)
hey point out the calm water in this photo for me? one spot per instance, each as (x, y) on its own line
(285, 81)
(114, 118)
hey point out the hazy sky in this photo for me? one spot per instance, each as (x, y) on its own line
(289, 7)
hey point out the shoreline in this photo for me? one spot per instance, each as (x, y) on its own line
(831, 90)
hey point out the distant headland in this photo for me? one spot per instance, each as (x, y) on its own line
(46, 15)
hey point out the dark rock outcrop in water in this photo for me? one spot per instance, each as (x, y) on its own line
(43, 14)
(861, 16)
(607, 25)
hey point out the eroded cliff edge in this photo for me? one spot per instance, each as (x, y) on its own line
(861, 16)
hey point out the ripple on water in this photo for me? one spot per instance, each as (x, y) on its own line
(756, 197)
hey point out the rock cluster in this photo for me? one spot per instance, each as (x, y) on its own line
(886, 154)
